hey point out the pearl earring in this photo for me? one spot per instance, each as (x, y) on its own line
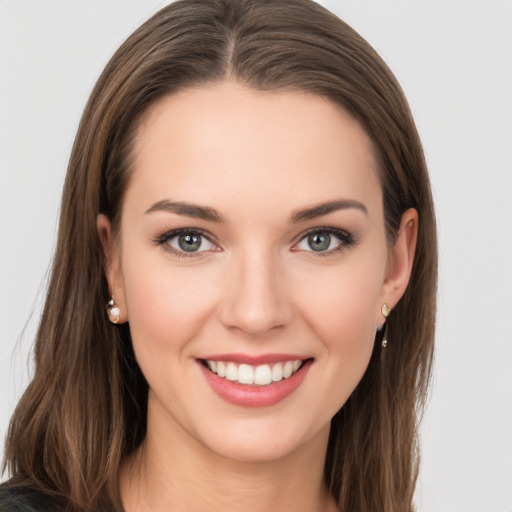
(386, 310)
(113, 311)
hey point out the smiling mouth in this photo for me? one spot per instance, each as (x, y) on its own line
(251, 375)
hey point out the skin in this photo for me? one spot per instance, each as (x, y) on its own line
(257, 158)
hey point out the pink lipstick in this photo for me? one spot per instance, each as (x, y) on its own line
(254, 381)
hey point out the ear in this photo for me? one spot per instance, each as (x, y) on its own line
(113, 264)
(400, 260)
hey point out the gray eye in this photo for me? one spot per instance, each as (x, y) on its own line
(320, 241)
(190, 242)
(323, 241)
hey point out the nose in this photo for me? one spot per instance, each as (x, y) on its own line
(257, 298)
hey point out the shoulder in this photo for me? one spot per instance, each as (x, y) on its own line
(22, 499)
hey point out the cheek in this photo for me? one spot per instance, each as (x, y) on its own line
(339, 305)
(342, 299)
(166, 306)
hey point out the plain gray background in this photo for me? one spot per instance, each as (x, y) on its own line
(454, 60)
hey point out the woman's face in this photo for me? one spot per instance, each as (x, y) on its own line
(252, 265)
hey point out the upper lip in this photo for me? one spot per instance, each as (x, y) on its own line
(253, 359)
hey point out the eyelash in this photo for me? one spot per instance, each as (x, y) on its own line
(346, 239)
(164, 239)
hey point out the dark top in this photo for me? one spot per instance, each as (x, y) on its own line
(23, 499)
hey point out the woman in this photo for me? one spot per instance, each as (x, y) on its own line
(248, 197)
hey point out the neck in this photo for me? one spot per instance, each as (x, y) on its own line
(181, 474)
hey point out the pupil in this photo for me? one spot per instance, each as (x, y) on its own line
(189, 243)
(319, 241)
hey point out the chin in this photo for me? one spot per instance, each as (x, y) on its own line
(260, 441)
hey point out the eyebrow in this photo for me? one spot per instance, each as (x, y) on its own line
(212, 215)
(326, 208)
(187, 209)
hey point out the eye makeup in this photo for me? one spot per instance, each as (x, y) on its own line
(187, 242)
(320, 241)
(324, 241)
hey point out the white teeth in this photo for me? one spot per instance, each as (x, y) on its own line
(231, 371)
(245, 374)
(261, 375)
(277, 372)
(221, 369)
(288, 369)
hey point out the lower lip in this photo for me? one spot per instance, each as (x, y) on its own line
(255, 396)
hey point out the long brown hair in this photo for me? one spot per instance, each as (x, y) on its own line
(85, 408)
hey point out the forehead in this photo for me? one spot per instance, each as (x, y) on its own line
(226, 142)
